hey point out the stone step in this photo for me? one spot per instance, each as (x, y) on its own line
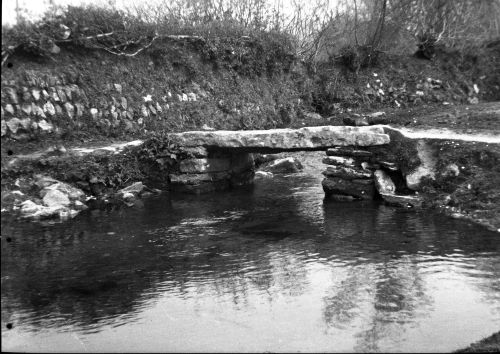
(406, 201)
(348, 151)
(358, 188)
(346, 172)
(339, 161)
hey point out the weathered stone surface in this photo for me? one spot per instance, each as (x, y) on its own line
(135, 188)
(67, 91)
(123, 102)
(425, 169)
(389, 165)
(339, 161)
(402, 200)
(451, 170)
(56, 198)
(44, 181)
(61, 94)
(25, 123)
(363, 181)
(30, 209)
(49, 108)
(71, 192)
(377, 118)
(312, 115)
(79, 109)
(356, 121)
(198, 151)
(9, 108)
(70, 110)
(14, 124)
(12, 94)
(263, 158)
(335, 185)
(346, 172)
(4, 128)
(45, 126)
(26, 108)
(263, 174)
(38, 111)
(36, 94)
(13, 198)
(93, 113)
(205, 165)
(348, 151)
(384, 183)
(285, 139)
(285, 165)
(197, 178)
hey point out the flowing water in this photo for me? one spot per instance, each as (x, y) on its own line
(272, 267)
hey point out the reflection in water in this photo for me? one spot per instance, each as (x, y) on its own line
(272, 267)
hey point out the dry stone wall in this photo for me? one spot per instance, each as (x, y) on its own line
(48, 102)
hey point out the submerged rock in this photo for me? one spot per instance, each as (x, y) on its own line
(263, 158)
(285, 165)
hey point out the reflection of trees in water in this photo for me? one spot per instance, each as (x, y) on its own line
(399, 298)
(343, 302)
(388, 243)
(229, 246)
(384, 295)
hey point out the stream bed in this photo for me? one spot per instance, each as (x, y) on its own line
(270, 267)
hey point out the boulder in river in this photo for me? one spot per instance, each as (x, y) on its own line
(285, 165)
(56, 198)
(383, 182)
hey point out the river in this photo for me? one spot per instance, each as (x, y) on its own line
(271, 267)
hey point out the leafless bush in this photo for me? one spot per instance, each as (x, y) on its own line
(320, 30)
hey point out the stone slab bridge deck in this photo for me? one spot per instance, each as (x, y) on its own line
(220, 159)
(307, 138)
(359, 159)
